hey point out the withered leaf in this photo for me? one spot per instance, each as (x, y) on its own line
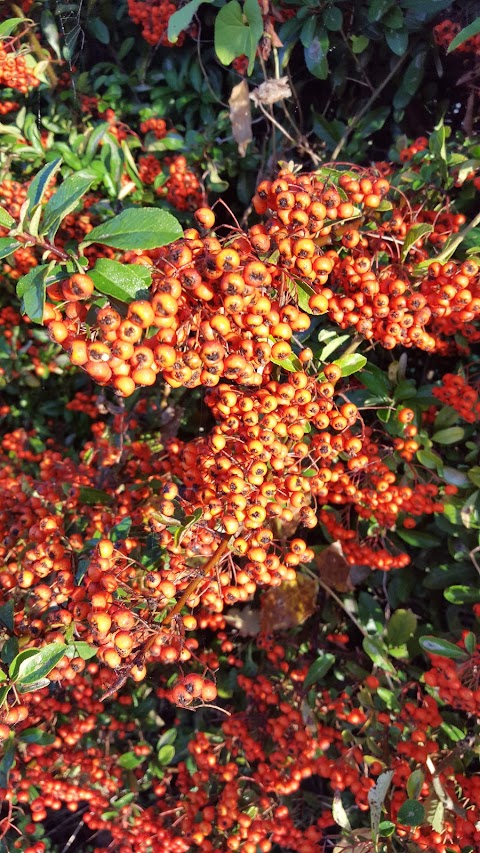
(333, 568)
(240, 116)
(289, 604)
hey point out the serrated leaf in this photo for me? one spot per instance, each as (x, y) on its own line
(64, 201)
(415, 233)
(124, 282)
(443, 648)
(39, 665)
(137, 228)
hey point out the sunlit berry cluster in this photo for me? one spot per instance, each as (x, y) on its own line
(457, 392)
(15, 72)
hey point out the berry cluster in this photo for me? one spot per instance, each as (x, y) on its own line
(153, 16)
(455, 391)
(157, 126)
(445, 32)
(14, 71)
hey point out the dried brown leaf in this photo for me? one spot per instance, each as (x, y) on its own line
(240, 116)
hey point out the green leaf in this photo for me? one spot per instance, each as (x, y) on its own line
(443, 648)
(303, 293)
(416, 232)
(137, 228)
(386, 828)
(319, 668)
(64, 201)
(316, 55)
(6, 221)
(430, 460)
(92, 497)
(437, 144)
(351, 363)
(98, 29)
(7, 762)
(359, 43)
(474, 475)
(414, 784)
(182, 18)
(400, 627)
(418, 538)
(451, 435)
(50, 31)
(468, 32)
(234, 37)
(35, 735)
(377, 653)
(462, 594)
(7, 246)
(331, 346)
(292, 363)
(376, 381)
(129, 761)
(411, 813)
(397, 41)
(189, 522)
(37, 188)
(84, 650)
(124, 282)
(333, 18)
(7, 27)
(31, 290)
(121, 530)
(15, 664)
(38, 665)
(6, 615)
(166, 754)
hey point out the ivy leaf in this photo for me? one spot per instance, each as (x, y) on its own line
(137, 228)
(443, 648)
(64, 201)
(468, 32)
(182, 18)
(415, 233)
(234, 37)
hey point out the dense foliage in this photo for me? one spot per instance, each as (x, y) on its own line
(240, 458)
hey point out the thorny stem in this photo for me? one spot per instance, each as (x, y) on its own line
(195, 582)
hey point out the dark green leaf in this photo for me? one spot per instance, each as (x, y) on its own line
(377, 652)
(333, 18)
(50, 31)
(411, 813)
(319, 669)
(37, 736)
(182, 18)
(443, 648)
(418, 538)
(121, 530)
(124, 282)
(7, 762)
(64, 201)
(6, 615)
(7, 246)
(31, 290)
(38, 665)
(316, 55)
(462, 594)
(92, 497)
(137, 228)
(397, 41)
(98, 29)
(38, 186)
